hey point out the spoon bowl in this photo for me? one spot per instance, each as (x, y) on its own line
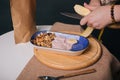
(49, 78)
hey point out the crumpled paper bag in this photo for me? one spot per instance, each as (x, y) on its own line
(23, 19)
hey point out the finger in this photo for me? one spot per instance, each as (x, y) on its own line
(97, 27)
(94, 25)
(89, 7)
(100, 27)
(83, 21)
(90, 25)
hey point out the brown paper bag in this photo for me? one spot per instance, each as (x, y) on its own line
(23, 18)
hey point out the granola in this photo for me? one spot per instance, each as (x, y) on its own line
(44, 39)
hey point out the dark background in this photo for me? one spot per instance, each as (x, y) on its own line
(48, 12)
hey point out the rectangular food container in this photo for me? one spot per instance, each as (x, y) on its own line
(59, 43)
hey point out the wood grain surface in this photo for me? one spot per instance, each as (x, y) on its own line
(89, 57)
(65, 62)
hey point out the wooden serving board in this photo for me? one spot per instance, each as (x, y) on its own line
(89, 57)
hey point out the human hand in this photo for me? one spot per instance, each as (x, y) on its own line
(94, 3)
(91, 7)
(98, 18)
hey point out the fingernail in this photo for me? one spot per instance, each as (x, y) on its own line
(81, 23)
(85, 3)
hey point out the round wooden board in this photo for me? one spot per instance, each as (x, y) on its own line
(89, 57)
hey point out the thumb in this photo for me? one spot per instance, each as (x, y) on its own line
(83, 21)
(91, 8)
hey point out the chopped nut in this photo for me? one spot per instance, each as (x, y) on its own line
(44, 39)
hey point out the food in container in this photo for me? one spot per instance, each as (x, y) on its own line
(59, 43)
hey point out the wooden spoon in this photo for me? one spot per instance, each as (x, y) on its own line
(83, 11)
(67, 75)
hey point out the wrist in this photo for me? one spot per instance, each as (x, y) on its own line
(116, 17)
(112, 13)
(117, 13)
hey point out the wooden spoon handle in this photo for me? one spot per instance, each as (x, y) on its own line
(80, 73)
